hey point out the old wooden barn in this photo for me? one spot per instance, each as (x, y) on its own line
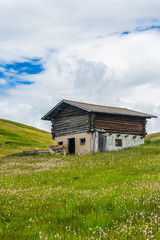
(89, 128)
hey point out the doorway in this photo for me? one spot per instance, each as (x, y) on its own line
(101, 142)
(71, 145)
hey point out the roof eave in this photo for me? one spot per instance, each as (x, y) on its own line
(152, 116)
(45, 117)
(129, 115)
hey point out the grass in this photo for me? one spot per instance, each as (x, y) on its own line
(153, 137)
(16, 137)
(114, 195)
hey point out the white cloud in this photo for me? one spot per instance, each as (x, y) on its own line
(2, 81)
(117, 70)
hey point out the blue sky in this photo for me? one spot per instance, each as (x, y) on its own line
(142, 29)
(15, 73)
(105, 52)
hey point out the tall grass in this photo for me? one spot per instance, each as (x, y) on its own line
(114, 195)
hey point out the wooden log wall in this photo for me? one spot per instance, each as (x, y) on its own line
(70, 120)
(92, 119)
(121, 124)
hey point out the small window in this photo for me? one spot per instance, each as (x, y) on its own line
(82, 141)
(60, 143)
(118, 142)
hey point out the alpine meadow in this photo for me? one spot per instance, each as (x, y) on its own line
(112, 195)
(79, 120)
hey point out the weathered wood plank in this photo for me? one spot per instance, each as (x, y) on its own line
(70, 120)
(120, 124)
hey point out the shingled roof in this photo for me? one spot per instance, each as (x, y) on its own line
(98, 109)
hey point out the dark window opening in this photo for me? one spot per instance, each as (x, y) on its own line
(82, 141)
(118, 142)
(60, 143)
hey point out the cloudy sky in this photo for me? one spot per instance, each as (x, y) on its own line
(98, 51)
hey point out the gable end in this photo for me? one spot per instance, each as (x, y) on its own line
(58, 108)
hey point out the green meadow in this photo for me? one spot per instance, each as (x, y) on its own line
(113, 195)
(16, 137)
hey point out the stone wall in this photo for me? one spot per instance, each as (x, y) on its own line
(125, 141)
(79, 149)
(92, 142)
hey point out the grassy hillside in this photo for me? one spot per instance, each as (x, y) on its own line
(16, 137)
(153, 136)
(114, 195)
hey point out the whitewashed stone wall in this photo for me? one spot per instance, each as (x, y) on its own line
(127, 141)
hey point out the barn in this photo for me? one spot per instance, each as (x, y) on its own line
(88, 128)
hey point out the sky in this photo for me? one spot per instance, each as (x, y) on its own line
(103, 52)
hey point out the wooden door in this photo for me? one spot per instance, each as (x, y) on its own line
(101, 142)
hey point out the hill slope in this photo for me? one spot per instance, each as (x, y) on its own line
(153, 137)
(16, 137)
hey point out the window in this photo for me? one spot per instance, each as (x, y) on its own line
(118, 142)
(82, 141)
(60, 143)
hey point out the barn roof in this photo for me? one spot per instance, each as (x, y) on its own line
(95, 108)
